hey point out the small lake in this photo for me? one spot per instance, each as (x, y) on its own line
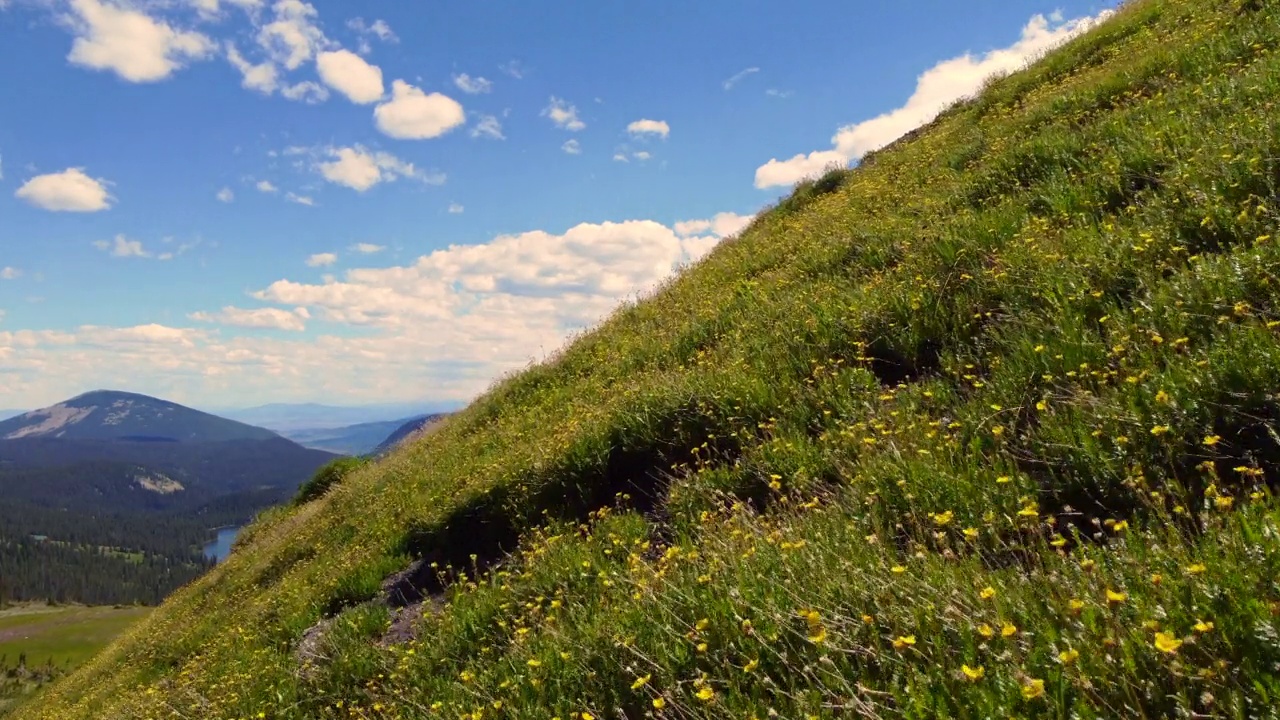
(221, 547)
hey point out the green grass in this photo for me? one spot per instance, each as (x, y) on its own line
(54, 639)
(983, 428)
(61, 634)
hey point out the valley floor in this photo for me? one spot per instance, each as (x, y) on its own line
(48, 640)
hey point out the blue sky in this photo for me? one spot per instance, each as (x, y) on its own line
(230, 202)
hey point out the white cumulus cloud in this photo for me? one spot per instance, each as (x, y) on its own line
(10, 273)
(791, 171)
(360, 169)
(266, 187)
(292, 37)
(442, 326)
(641, 128)
(225, 195)
(573, 147)
(68, 191)
(322, 260)
(350, 75)
(721, 225)
(365, 248)
(271, 318)
(130, 43)
(411, 114)
(936, 88)
(262, 77)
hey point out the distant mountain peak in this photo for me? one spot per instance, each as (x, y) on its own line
(118, 415)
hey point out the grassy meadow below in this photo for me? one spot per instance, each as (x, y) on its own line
(988, 426)
(39, 641)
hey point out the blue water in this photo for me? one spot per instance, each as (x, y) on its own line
(220, 548)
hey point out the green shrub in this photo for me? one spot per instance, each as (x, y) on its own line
(806, 191)
(326, 477)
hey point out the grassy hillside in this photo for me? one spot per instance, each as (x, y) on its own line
(984, 428)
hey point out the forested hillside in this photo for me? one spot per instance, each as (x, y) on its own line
(983, 428)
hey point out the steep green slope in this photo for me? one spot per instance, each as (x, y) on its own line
(984, 428)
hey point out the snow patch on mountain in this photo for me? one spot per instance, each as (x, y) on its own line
(56, 419)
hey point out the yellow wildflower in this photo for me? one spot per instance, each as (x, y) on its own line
(641, 682)
(706, 694)
(973, 674)
(1203, 627)
(1008, 629)
(904, 641)
(1033, 689)
(659, 703)
(987, 593)
(1069, 656)
(1116, 598)
(1166, 642)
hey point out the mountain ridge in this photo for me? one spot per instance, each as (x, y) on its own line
(113, 414)
(405, 431)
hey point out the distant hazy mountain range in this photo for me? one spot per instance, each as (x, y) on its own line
(118, 451)
(285, 418)
(357, 439)
(407, 430)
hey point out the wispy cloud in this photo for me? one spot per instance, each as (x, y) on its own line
(322, 259)
(472, 85)
(739, 76)
(564, 115)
